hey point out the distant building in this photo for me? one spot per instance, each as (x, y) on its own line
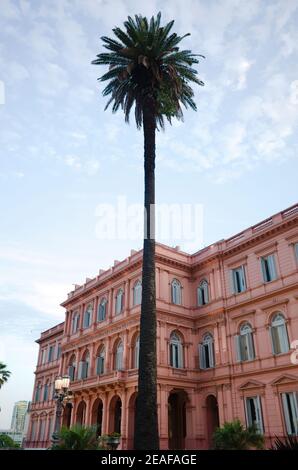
(18, 416)
(227, 325)
(17, 437)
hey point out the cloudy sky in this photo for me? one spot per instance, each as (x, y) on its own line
(62, 156)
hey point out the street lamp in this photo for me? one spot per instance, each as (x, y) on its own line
(62, 394)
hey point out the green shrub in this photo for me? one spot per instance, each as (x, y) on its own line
(234, 436)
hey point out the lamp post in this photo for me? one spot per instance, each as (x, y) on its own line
(62, 393)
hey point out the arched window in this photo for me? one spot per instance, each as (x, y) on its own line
(102, 310)
(119, 356)
(203, 293)
(176, 292)
(75, 322)
(72, 368)
(279, 334)
(46, 391)
(119, 301)
(37, 393)
(206, 352)
(100, 361)
(176, 351)
(136, 352)
(244, 343)
(84, 366)
(87, 316)
(137, 293)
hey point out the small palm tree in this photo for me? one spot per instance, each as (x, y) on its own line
(234, 436)
(148, 71)
(4, 374)
(288, 443)
(77, 438)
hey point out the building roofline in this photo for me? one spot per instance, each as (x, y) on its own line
(214, 249)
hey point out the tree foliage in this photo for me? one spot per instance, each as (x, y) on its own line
(77, 438)
(145, 57)
(234, 436)
(4, 374)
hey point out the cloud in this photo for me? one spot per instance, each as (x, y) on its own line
(90, 167)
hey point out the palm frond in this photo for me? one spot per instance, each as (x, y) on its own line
(145, 59)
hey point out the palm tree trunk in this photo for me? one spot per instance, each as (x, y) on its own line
(146, 428)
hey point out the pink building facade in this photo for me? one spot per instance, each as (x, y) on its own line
(227, 322)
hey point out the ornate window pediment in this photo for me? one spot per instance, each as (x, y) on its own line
(285, 379)
(251, 384)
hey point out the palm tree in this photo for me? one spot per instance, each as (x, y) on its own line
(4, 374)
(77, 438)
(233, 436)
(147, 70)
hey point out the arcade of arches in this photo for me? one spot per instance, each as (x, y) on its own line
(181, 415)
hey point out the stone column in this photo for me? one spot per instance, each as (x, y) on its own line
(190, 441)
(88, 410)
(126, 297)
(81, 309)
(92, 360)
(221, 405)
(228, 399)
(95, 308)
(163, 416)
(110, 305)
(124, 412)
(73, 412)
(47, 429)
(125, 350)
(105, 414)
(109, 356)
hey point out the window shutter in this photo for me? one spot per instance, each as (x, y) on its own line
(259, 415)
(243, 347)
(206, 289)
(237, 348)
(251, 349)
(264, 270)
(284, 340)
(71, 372)
(248, 412)
(243, 279)
(211, 354)
(202, 357)
(180, 356)
(80, 371)
(272, 267)
(274, 340)
(233, 282)
(98, 365)
(200, 299)
(286, 413)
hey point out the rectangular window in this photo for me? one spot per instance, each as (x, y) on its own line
(290, 408)
(254, 413)
(238, 279)
(206, 355)
(268, 268)
(83, 370)
(100, 365)
(43, 357)
(51, 353)
(59, 351)
(71, 372)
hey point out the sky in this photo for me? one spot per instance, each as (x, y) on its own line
(63, 158)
